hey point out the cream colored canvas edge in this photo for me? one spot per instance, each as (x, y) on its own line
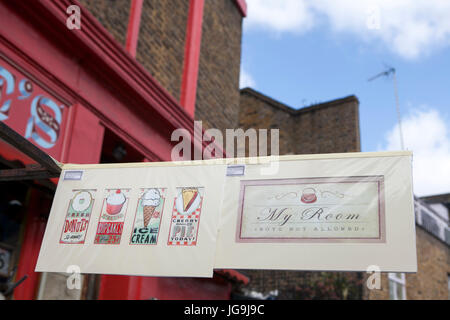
(248, 160)
(397, 254)
(124, 258)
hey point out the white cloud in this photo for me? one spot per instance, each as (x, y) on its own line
(409, 28)
(426, 134)
(279, 15)
(246, 80)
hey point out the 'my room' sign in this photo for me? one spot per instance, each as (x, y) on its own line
(324, 209)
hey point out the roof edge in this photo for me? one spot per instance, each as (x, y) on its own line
(289, 109)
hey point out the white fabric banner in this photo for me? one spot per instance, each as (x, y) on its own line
(149, 219)
(341, 212)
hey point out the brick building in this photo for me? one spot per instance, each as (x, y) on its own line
(162, 44)
(329, 127)
(334, 127)
(432, 280)
(322, 128)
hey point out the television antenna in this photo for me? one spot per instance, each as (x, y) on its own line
(387, 73)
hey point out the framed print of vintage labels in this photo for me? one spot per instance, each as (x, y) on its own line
(78, 215)
(116, 219)
(342, 212)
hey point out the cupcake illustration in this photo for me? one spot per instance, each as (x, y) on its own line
(114, 202)
(309, 195)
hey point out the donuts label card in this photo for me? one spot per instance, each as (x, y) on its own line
(78, 216)
(186, 211)
(148, 216)
(112, 216)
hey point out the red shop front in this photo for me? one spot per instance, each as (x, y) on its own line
(82, 98)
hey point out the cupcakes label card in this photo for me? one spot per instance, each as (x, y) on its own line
(148, 216)
(78, 216)
(112, 216)
(185, 220)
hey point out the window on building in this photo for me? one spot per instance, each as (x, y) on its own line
(448, 285)
(397, 286)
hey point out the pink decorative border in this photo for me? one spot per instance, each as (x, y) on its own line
(351, 179)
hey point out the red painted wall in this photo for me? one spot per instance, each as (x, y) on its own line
(192, 55)
(103, 89)
(34, 232)
(86, 137)
(192, 288)
(145, 288)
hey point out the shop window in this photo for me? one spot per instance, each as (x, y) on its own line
(448, 285)
(397, 286)
(429, 223)
(115, 150)
(12, 201)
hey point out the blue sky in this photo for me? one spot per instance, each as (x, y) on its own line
(321, 54)
(318, 66)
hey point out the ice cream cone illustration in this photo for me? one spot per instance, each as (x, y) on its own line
(148, 213)
(150, 201)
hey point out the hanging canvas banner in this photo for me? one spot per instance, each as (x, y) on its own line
(332, 212)
(149, 219)
(343, 212)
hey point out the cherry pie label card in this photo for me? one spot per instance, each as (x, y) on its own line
(185, 218)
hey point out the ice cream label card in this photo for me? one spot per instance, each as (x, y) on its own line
(148, 216)
(186, 211)
(78, 216)
(112, 216)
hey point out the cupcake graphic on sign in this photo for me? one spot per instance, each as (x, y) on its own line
(114, 202)
(148, 216)
(186, 216)
(112, 216)
(309, 195)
